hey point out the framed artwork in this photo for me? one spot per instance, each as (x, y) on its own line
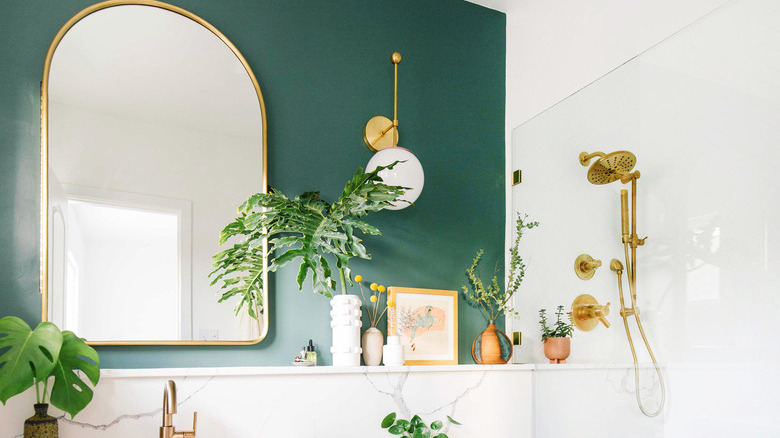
(426, 320)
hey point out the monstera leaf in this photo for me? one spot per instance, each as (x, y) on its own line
(70, 393)
(29, 356)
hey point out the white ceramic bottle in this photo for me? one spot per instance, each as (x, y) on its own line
(393, 352)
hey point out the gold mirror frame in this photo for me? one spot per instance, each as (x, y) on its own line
(44, 241)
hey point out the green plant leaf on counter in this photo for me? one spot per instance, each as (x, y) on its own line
(396, 429)
(69, 392)
(33, 357)
(414, 428)
(388, 420)
(30, 357)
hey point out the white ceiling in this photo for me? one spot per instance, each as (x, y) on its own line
(498, 5)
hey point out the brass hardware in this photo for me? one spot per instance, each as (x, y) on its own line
(586, 313)
(377, 134)
(169, 408)
(381, 132)
(44, 222)
(586, 157)
(585, 266)
(608, 168)
(517, 177)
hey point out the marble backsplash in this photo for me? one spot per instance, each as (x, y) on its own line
(292, 402)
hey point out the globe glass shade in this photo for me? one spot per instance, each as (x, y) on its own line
(407, 173)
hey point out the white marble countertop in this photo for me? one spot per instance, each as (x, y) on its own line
(312, 370)
(322, 370)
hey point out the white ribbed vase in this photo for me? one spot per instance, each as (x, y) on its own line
(345, 322)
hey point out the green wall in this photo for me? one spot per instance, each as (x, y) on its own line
(324, 70)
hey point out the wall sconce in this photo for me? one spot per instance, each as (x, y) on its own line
(381, 137)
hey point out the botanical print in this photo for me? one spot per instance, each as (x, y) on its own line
(426, 324)
(416, 322)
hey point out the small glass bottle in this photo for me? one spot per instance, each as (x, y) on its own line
(311, 354)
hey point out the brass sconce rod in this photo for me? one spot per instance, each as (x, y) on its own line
(396, 59)
(376, 130)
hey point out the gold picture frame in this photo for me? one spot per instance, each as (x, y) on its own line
(426, 320)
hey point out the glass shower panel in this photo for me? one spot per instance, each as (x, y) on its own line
(700, 111)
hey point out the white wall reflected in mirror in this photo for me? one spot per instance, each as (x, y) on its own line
(155, 136)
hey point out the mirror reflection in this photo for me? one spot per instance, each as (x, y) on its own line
(155, 135)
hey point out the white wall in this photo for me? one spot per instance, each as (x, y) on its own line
(556, 47)
(700, 111)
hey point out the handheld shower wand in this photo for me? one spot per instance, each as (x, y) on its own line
(608, 168)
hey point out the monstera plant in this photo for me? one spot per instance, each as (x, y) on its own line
(38, 357)
(304, 228)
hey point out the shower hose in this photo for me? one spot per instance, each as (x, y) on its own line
(631, 344)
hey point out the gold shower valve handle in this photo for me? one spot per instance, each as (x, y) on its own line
(585, 266)
(586, 313)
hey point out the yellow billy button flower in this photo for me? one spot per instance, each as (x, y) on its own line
(373, 298)
(381, 288)
(358, 278)
(374, 286)
(390, 303)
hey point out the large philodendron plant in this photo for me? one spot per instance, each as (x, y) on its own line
(36, 357)
(304, 228)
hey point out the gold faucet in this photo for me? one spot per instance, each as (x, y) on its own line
(169, 408)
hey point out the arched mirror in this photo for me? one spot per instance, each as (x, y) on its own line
(153, 132)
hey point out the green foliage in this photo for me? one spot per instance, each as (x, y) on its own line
(32, 357)
(560, 329)
(304, 228)
(493, 299)
(414, 428)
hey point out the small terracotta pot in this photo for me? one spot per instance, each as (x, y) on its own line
(557, 349)
(491, 346)
(372, 346)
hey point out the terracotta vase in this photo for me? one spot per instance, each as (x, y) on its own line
(372, 343)
(557, 349)
(492, 346)
(41, 425)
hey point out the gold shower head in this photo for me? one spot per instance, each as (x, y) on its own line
(610, 167)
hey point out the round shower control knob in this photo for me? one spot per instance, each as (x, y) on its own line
(585, 266)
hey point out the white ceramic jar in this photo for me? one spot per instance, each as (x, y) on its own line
(345, 322)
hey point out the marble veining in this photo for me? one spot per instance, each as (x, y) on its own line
(153, 413)
(324, 403)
